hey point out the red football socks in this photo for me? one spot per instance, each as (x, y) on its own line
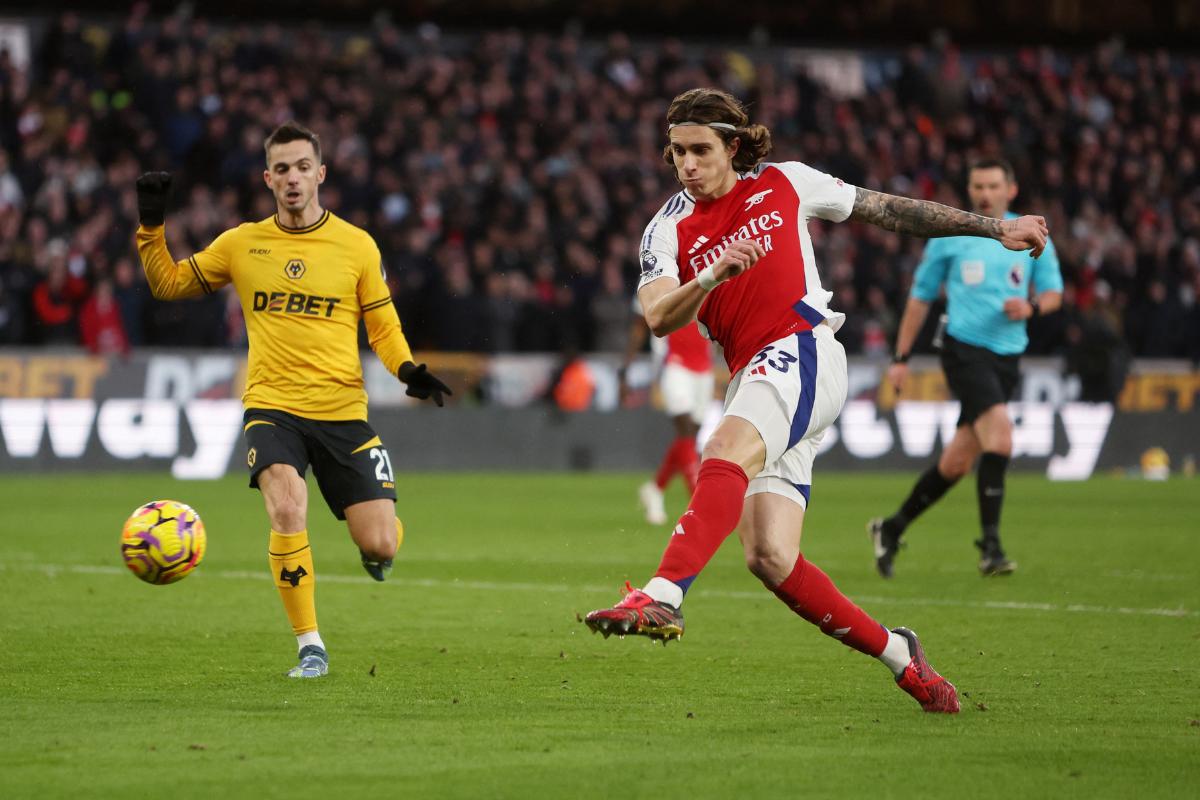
(680, 457)
(712, 515)
(668, 467)
(689, 462)
(810, 593)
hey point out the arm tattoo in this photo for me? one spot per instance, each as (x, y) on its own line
(919, 217)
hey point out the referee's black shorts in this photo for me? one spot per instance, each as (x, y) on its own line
(348, 459)
(978, 378)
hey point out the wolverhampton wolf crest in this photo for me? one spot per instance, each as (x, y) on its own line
(292, 576)
(295, 269)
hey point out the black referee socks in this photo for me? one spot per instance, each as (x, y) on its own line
(990, 490)
(928, 490)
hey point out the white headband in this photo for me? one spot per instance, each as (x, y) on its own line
(724, 126)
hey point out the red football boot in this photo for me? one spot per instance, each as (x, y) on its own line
(935, 694)
(638, 614)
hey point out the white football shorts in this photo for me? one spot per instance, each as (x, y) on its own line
(791, 391)
(686, 392)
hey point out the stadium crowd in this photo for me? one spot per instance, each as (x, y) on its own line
(507, 177)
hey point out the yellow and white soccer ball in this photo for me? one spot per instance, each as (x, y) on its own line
(163, 541)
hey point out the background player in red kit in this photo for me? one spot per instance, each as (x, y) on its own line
(733, 251)
(685, 382)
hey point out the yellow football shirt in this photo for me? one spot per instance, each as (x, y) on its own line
(303, 292)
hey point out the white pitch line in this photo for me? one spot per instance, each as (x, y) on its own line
(53, 570)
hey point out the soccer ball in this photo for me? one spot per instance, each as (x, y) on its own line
(163, 541)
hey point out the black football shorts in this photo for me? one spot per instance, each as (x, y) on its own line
(348, 459)
(978, 377)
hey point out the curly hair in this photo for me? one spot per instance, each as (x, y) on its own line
(713, 105)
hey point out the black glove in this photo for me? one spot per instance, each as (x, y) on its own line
(153, 189)
(421, 383)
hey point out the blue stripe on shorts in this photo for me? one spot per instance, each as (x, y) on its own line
(807, 347)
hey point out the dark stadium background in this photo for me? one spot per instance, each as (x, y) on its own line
(505, 157)
(876, 22)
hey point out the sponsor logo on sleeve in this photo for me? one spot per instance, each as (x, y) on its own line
(649, 262)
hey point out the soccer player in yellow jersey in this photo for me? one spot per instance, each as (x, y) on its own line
(305, 278)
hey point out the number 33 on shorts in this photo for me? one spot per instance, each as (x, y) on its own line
(774, 357)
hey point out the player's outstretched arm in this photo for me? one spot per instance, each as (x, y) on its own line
(929, 219)
(422, 384)
(168, 279)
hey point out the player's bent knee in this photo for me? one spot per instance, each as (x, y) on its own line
(743, 447)
(285, 495)
(380, 545)
(995, 431)
(1001, 444)
(375, 528)
(287, 517)
(953, 468)
(770, 565)
(717, 447)
(376, 537)
(1004, 446)
(387, 543)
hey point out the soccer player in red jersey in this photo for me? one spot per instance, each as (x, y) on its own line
(733, 251)
(686, 384)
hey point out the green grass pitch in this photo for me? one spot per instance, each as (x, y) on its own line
(468, 674)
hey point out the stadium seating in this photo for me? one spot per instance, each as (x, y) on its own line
(507, 176)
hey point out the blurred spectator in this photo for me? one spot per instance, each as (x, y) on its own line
(612, 309)
(12, 317)
(573, 385)
(56, 301)
(131, 292)
(502, 308)
(853, 332)
(1155, 326)
(100, 328)
(459, 315)
(1096, 354)
(11, 195)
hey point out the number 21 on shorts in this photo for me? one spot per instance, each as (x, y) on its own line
(383, 465)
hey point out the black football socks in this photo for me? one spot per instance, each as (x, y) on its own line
(928, 490)
(990, 491)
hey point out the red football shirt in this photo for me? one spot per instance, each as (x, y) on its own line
(688, 348)
(782, 293)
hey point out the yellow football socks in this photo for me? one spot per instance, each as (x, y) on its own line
(292, 568)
